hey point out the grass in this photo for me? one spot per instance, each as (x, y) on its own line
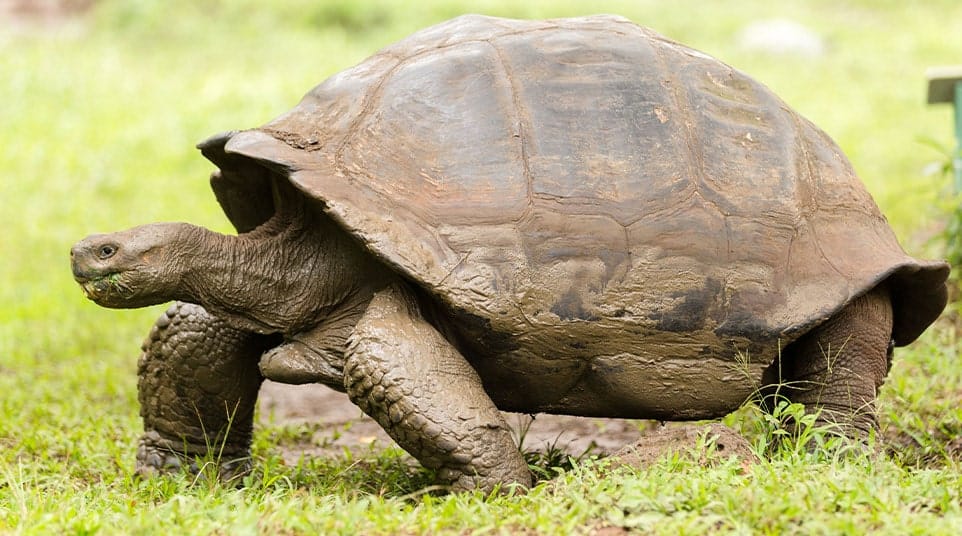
(99, 116)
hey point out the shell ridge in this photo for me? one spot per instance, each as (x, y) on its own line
(809, 205)
(369, 100)
(523, 121)
(694, 158)
(814, 177)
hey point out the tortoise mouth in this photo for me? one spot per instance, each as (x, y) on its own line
(101, 287)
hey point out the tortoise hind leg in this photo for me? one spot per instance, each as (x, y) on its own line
(198, 385)
(426, 396)
(838, 367)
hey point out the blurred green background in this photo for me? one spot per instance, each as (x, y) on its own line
(101, 103)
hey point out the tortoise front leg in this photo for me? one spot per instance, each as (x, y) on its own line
(198, 384)
(422, 391)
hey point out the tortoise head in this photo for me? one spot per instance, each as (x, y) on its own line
(133, 268)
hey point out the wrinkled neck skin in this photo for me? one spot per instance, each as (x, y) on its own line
(297, 271)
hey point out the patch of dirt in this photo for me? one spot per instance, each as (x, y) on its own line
(940, 443)
(337, 424)
(717, 441)
(331, 424)
(44, 9)
(45, 17)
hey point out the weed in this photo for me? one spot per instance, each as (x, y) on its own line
(550, 460)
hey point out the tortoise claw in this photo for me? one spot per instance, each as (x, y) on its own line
(157, 456)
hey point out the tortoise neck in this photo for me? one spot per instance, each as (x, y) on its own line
(290, 274)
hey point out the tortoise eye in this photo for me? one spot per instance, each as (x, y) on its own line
(106, 251)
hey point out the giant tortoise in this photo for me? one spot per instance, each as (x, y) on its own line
(574, 216)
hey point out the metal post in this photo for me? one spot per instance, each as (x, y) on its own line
(945, 85)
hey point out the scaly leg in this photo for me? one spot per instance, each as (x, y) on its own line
(198, 384)
(839, 366)
(422, 391)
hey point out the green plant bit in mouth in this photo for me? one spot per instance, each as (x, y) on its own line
(101, 286)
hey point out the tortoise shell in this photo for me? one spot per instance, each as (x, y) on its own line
(538, 177)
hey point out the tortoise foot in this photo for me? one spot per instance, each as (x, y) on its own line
(304, 359)
(292, 363)
(159, 456)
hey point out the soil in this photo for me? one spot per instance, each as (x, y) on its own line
(337, 424)
(718, 443)
(44, 9)
(63, 18)
(329, 423)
